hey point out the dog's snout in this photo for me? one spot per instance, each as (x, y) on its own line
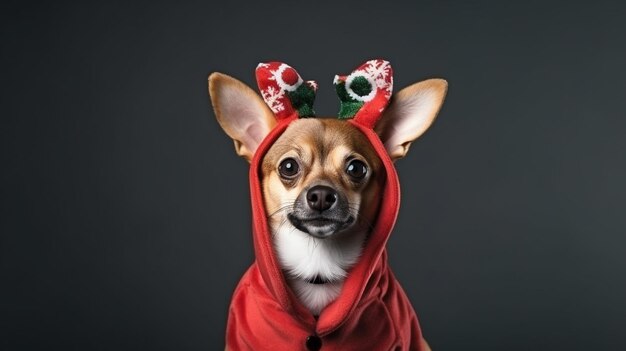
(321, 197)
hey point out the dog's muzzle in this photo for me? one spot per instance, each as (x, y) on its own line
(321, 211)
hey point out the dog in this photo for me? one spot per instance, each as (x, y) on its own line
(320, 184)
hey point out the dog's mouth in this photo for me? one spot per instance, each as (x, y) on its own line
(318, 280)
(320, 226)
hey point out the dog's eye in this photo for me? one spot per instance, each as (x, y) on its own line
(356, 169)
(288, 168)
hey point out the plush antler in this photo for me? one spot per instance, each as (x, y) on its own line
(365, 93)
(284, 91)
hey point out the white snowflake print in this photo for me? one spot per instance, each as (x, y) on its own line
(274, 74)
(379, 70)
(273, 98)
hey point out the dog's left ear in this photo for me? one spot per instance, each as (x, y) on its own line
(410, 113)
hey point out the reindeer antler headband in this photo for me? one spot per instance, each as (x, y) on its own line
(364, 93)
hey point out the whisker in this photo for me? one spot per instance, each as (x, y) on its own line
(360, 217)
(281, 208)
(282, 222)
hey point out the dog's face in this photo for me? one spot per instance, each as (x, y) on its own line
(323, 177)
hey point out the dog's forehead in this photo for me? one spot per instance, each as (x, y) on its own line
(321, 136)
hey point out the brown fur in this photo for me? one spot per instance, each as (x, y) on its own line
(322, 147)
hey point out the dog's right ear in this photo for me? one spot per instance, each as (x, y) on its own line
(241, 112)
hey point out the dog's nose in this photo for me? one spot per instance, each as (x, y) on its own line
(321, 197)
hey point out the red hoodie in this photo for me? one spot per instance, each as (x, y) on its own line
(372, 311)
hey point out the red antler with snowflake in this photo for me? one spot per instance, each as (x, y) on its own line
(284, 91)
(365, 93)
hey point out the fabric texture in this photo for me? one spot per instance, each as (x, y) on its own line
(372, 311)
(365, 93)
(284, 91)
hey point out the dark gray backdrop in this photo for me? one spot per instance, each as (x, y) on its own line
(125, 212)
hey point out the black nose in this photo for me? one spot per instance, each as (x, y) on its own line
(321, 198)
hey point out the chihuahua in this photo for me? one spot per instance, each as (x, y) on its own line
(321, 187)
(321, 180)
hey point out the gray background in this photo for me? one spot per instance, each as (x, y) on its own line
(125, 212)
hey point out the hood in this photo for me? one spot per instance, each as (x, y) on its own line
(358, 284)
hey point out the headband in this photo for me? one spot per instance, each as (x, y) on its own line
(364, 94)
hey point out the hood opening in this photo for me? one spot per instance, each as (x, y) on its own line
(371, 262)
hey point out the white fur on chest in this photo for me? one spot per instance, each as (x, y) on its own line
(304, 257)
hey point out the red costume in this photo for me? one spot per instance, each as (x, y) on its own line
(372, 311)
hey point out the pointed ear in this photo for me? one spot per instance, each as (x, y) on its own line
(241, 112)
(410, 113)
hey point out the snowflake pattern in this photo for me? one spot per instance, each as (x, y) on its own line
(275, 73)
(380, 71)
(274, 98)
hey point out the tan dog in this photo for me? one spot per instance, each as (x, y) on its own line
(321, 179)
(321, 186)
